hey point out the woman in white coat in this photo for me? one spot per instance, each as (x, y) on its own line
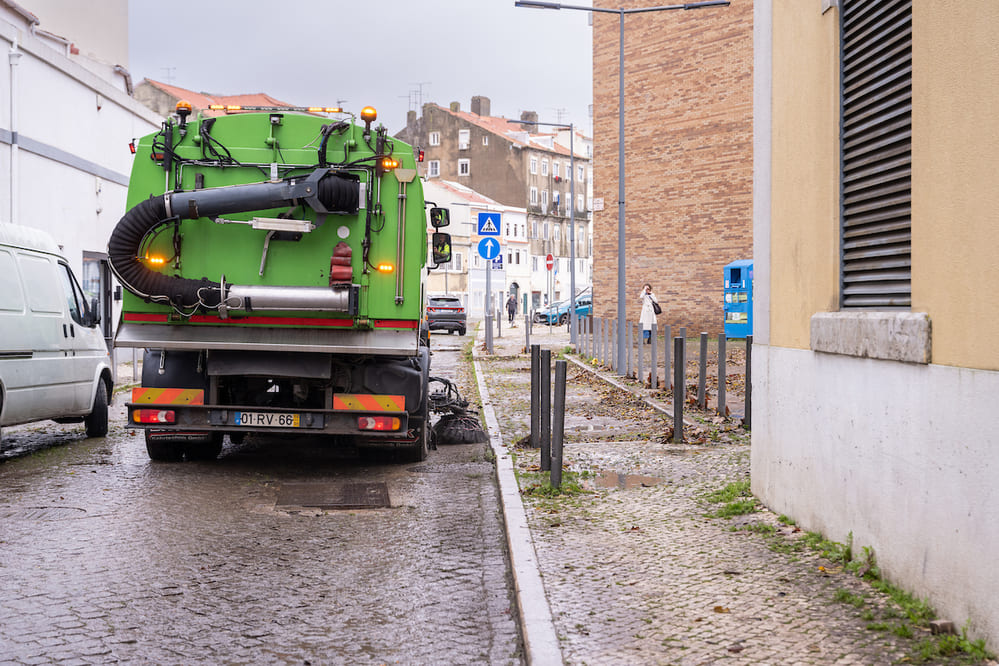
(648, 316)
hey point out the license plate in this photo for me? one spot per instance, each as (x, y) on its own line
(267, 419)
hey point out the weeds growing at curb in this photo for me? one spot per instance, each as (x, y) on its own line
(737, 498)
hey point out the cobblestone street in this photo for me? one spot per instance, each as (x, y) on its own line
(638, 569)
(107, 557)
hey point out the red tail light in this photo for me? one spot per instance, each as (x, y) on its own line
(378, 422)
(154, 416)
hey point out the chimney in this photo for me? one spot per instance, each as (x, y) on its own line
(531, 116)
(455, 106)
(410, 119)
(480, 105)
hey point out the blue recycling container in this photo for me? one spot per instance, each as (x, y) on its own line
(738, 299)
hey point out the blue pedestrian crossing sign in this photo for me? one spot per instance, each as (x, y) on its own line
(489, 248)
(489, 224)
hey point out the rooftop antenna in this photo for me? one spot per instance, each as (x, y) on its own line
(169, 73)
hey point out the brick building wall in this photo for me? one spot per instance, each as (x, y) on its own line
(688, 157)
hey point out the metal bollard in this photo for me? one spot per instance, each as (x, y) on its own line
(628, 327)
(615, 325)
(702, 377)
(489, 332)
(747, 420)
(654, 360)
(535, 396)
(558, 425)
(722, 373)
(499, 323)
(679, 389)
(667, 337)
(546, 410)
(640, 376)
(527, 332)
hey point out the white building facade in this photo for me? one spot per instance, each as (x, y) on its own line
(66, 122)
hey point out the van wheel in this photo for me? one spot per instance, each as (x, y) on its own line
(97, 420)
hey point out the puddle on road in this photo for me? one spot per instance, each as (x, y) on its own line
(622, 481)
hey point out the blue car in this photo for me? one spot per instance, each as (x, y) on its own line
(559, 312)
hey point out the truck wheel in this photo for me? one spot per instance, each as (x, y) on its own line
(209, 450)
(97, 420)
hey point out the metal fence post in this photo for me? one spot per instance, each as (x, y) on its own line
(558, 425)
(546, 409)
(527, 332)
(747, 420)
(535, 396)
(702, 376)
(722, 373)
(679, 390)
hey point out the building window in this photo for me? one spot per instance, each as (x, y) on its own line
(534, 165)
(456, 261)
(544, 167)
(534, 197)
(485, 139)
(556, 231)
(876, 154)
(464, 168)
(555, 170)
(544, 199)
(433, 169)
(435, 138)
(534, 229)
(544, 231)
(464, 136)
(579, 172)
(534, 263)
(580, 202)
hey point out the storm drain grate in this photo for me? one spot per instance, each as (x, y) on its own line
(334, 496)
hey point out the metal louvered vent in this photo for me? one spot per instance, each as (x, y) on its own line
(876, 153)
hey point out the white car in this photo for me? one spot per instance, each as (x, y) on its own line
(54, 363)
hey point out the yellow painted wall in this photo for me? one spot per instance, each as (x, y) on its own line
(804, 233)
(955, 193)
(955, 180)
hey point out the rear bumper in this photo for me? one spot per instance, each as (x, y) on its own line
(207, 418)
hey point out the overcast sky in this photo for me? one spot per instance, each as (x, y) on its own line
(377, 52)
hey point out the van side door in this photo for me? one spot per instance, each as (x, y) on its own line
(38, 384)
(84, 343)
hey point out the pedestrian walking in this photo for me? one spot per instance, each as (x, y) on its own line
(650, 308)
(511, 307)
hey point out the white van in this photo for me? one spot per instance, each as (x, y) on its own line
(54, 363)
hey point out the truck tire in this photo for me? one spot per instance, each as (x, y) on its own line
(181, 372)
(165, 449)
(162, 450)
(96, 421)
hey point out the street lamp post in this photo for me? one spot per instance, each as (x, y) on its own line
(537, 4)
(572, 222)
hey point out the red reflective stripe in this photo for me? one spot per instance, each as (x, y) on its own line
(168, 396)
(397, 323)
(369, 402)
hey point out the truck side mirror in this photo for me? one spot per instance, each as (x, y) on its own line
(439, 217)
(441, 248)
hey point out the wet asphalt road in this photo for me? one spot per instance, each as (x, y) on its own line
(108, 557)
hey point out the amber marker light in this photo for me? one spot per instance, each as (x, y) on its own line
(385, 268)
(155, 260)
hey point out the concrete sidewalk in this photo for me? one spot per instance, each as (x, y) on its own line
(635, 565)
